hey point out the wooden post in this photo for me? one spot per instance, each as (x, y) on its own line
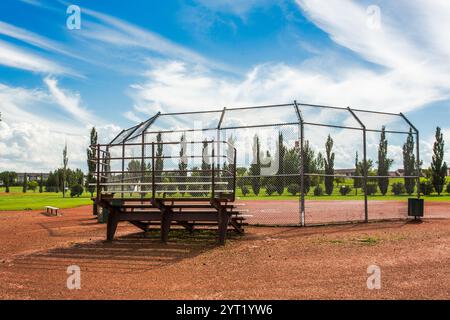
(113, 219)
(223, 225)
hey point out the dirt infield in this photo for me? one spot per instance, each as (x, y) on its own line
(266, 263)
(331, 211)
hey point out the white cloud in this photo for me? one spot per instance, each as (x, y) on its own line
(33, 39)
(32, 139)
(12, 56)
(120, 33)
(70, 102)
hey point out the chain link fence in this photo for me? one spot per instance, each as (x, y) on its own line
(295, 164)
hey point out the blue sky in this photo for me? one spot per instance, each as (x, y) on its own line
(131, 59)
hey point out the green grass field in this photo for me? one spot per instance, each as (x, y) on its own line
(16, 200)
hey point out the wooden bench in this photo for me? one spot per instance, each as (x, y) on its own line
(52, 210)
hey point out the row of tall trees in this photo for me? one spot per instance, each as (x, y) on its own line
(324, 167)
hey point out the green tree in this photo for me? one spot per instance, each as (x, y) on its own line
(279, 181)
(384, 163)
(409, 163)
(206, 166)
(255, 167)
(438, 165)
(318, 167)
(329, 166)
(8, 177)
(159, 161)
(357, 182)
(291, 164)
(25, 183)
(51, 185)
(308, 166)
(41, 183)
(32, 185)
(183, 165)
(91, 164)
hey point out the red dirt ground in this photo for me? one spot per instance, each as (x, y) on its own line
(267, 263)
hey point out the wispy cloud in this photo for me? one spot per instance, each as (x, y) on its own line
(120, 33)
(15, 57)
(36, 40)
(70, 102)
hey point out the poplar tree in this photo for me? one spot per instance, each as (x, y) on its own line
(409, 163)
(279, 183)
(357, 182)
(329, 166)
(438, 165)
(91, 156)
(255, 168)
(25, 183)
(384, 163)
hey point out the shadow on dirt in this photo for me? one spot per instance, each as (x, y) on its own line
(129, 253)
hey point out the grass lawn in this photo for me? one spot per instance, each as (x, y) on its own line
(16, 200)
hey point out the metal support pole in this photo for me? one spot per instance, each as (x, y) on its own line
(234, 175)
(302, 169)
(123, 170)
(302, 176)
(366, 206)
(418, 163)
(153, 172)
(98, 195)
(142, 162)
(213, 188)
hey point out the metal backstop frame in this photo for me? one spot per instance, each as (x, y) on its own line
(147, 128)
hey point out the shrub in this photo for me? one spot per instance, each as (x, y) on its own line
(76, 190)
(294, 189)
(398, 188)
(318, 191)
(344, 190)
(271, 189)
(245, 190)
(194, 188)
(32, 185)
(448, 188)
(426, 187)
(371, 189)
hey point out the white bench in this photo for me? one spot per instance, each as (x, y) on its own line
(52, 210)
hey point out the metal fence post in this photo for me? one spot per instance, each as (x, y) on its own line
(366, 206)
(212, 172)
(302, 169)
(153, 171)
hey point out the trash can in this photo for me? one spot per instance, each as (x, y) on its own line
(415, 207)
